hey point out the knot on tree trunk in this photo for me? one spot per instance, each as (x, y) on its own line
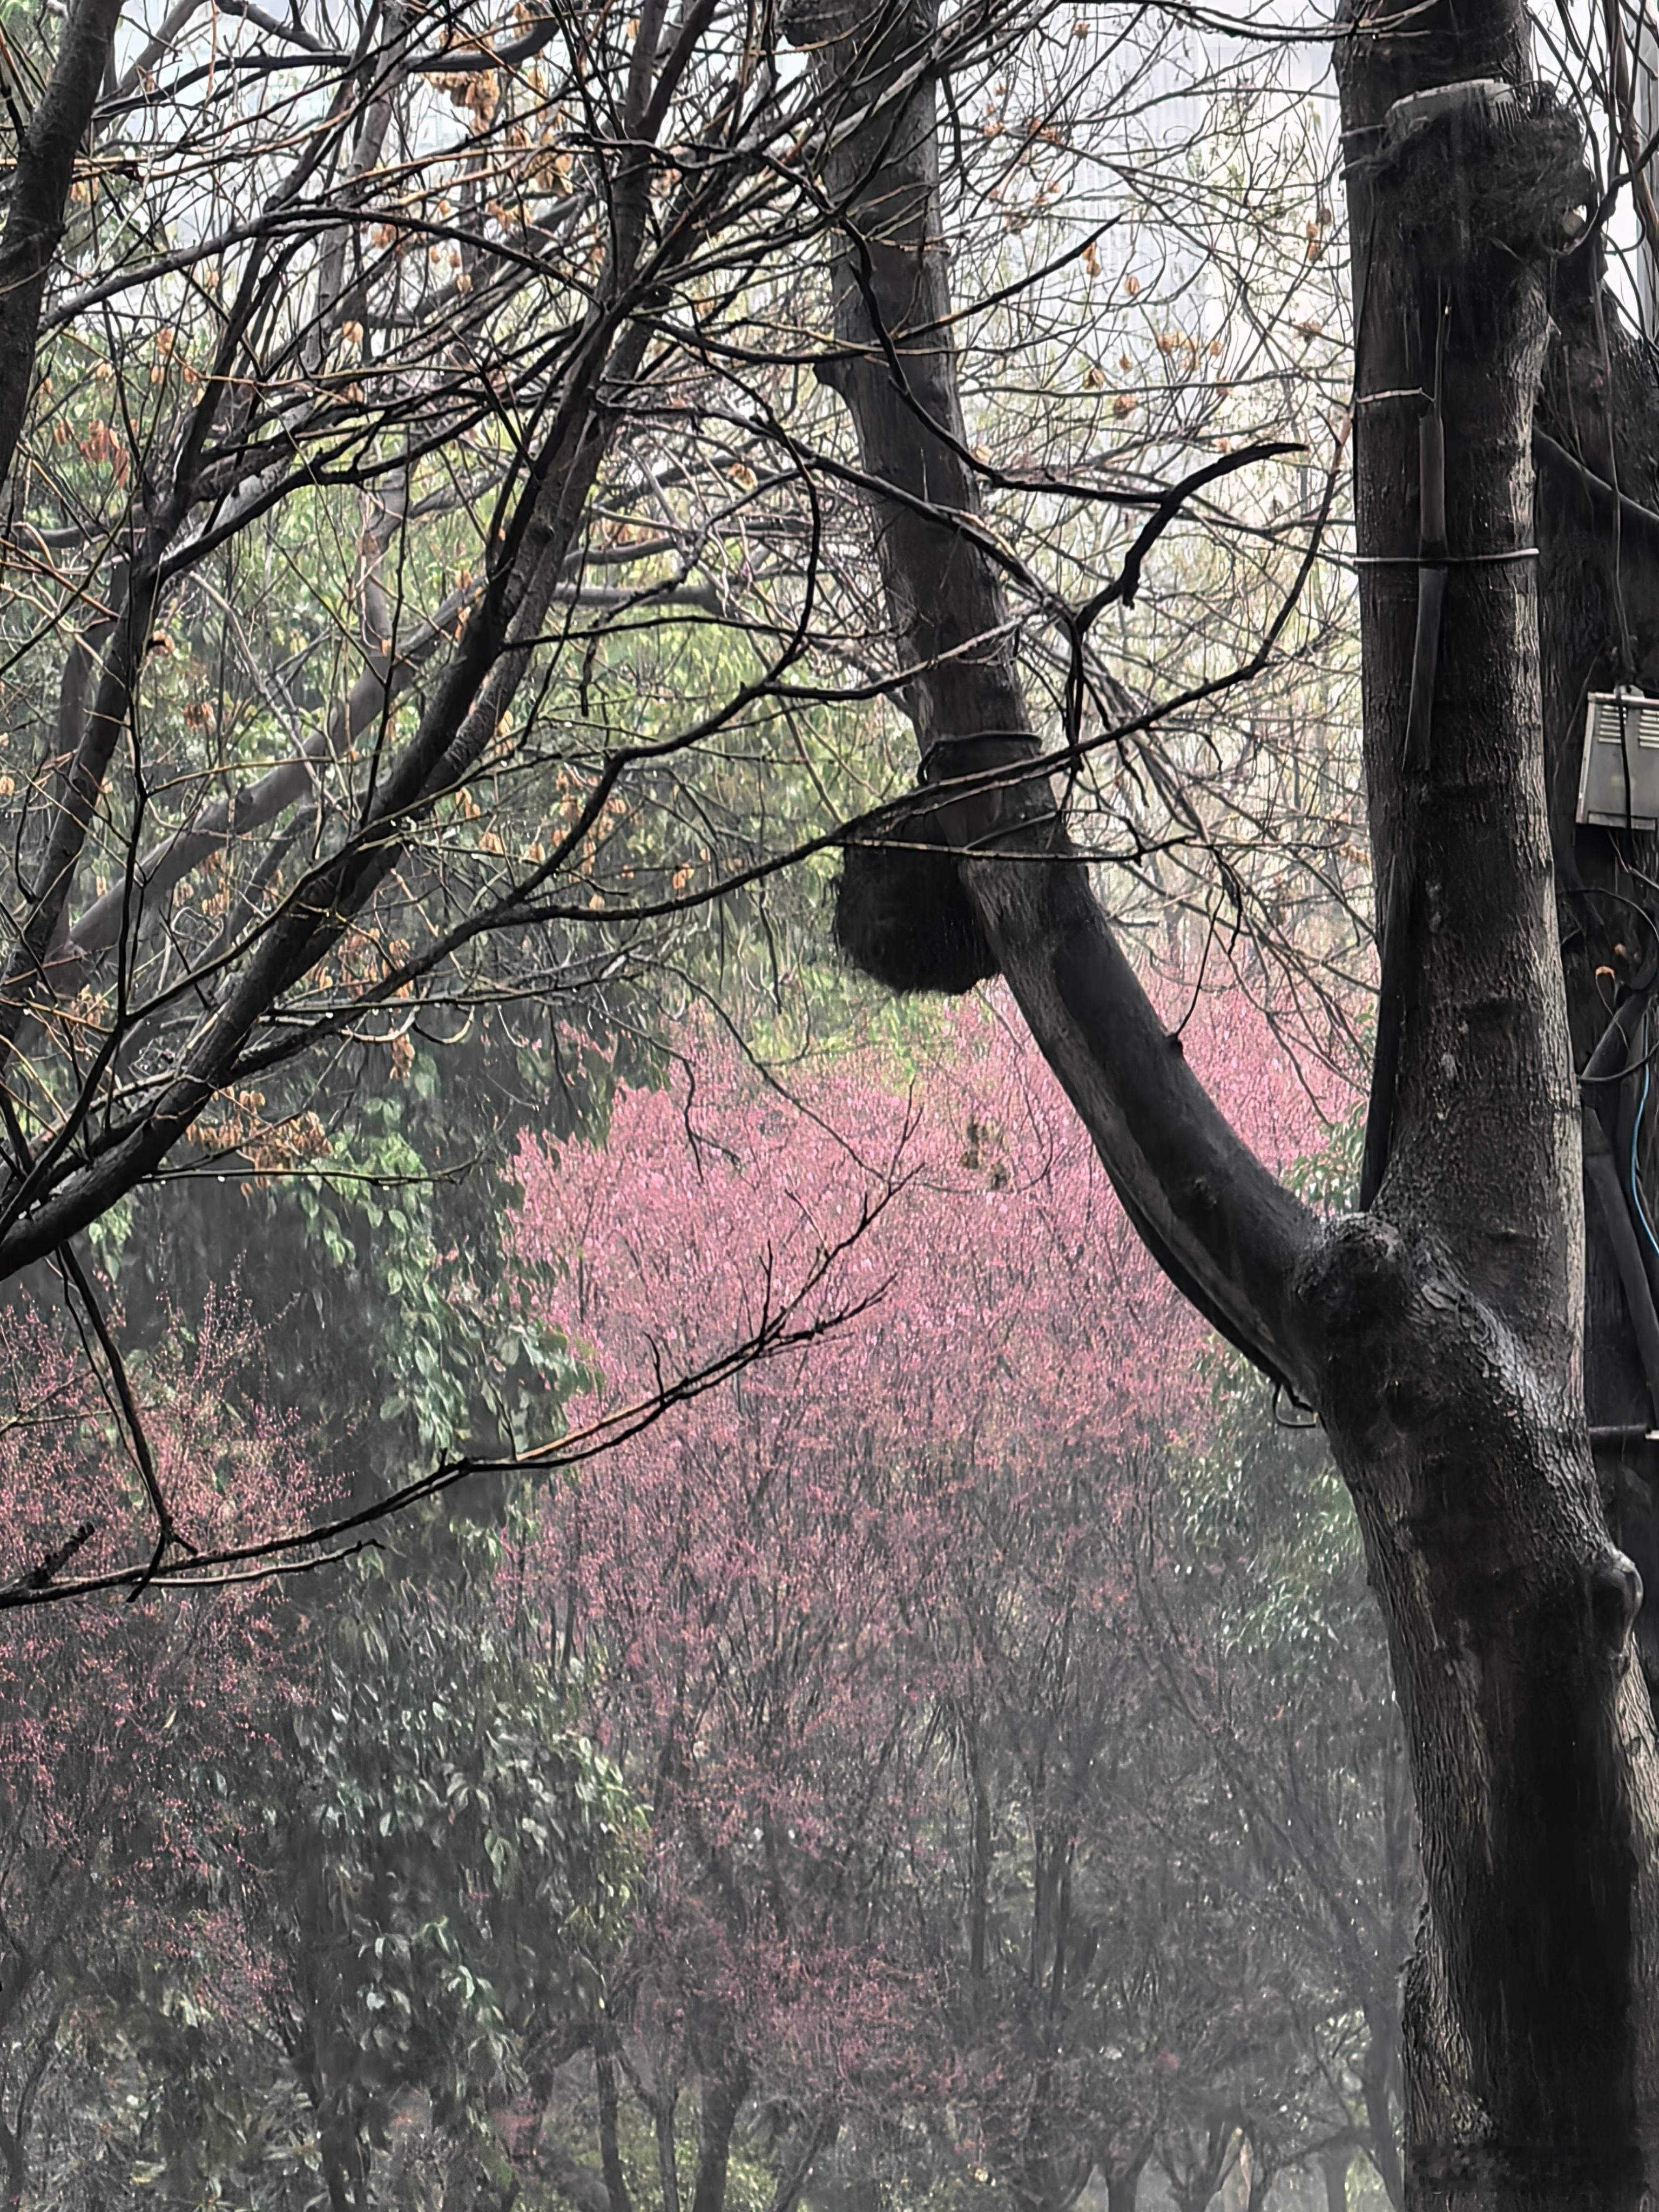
(1373, 1303)
(1358, 1278)
(1486, 164)
(1612, 1587)
(876, 24)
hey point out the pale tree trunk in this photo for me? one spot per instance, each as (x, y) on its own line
(1439, 1333)
(1378, 2067)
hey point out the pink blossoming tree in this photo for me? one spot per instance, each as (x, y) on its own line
(866, 1624)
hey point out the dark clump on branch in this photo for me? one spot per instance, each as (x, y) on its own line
(1518, 158)
(902, 917)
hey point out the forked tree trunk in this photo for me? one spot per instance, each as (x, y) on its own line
(1439, 1335)
(1262, 2180)
(1195, 2170)
(1123, 2182)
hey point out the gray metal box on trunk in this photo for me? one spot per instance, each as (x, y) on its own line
(1619, 783)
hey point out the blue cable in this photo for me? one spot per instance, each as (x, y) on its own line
(1639, 1210)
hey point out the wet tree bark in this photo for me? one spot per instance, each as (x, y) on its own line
(1440, 1333)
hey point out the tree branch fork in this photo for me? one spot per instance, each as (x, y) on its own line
(1439, 1335)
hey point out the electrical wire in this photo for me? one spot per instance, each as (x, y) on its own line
(1637, 1208)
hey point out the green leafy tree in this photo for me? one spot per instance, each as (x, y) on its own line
(439, 1862)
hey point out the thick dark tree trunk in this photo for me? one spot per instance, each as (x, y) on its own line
(723, 2095)
(39, 191)
(1528, 2064)
(1123, 2183)
(1439, 1335)
(605, 2075)
(13, 2164)
(668, 2178)
(1599, 628)
(1262, 2180)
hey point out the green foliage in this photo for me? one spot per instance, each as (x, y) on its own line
(1265, 1507)
(435, 1866)
(448, 1860)
(1329, 1180)
(376, 1267)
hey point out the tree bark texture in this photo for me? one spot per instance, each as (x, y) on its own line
(1123, 2182)
(41, 179)
(1439, 1335)
(1596, 495)
(1532, 1753)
